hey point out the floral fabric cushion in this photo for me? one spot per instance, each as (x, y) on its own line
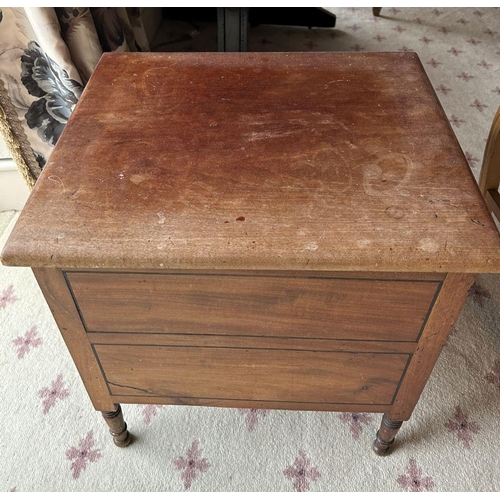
(46, 57)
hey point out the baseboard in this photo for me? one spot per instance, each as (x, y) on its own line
(13, 190)
(7, 165)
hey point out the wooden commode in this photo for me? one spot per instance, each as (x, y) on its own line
(262, 230)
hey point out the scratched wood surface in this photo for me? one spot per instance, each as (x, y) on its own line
(318, 161)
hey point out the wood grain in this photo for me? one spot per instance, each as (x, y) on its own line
(117, 427)
(489, 178)
(386, 435)
(245, 403)
(261, 306)
(60, 301)
(321, 161)
(444, 313)
(259, 342)
(288, 273)
(289, 231)
(253, 374)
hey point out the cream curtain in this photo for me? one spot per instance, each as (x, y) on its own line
(46, 57)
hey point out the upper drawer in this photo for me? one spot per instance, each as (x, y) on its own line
(364, 309)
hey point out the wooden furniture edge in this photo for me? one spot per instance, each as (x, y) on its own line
(252, 404)
(489, 177)
(55, 290)
(439, 324)
(285, 273)
(256, 342)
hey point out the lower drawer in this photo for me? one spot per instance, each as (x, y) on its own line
(278, 375)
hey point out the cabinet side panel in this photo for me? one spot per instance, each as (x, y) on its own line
(441, 319)
(62, 306)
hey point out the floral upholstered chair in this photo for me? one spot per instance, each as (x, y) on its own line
(47, 55)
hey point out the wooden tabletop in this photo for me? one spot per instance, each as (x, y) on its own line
(321, 161)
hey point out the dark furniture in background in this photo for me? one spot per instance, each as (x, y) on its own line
(233, 22)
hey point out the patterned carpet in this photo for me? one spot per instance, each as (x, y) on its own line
(52, 440)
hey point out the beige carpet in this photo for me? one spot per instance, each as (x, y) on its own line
(52, 440)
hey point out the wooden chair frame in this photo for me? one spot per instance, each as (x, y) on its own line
(489, 178)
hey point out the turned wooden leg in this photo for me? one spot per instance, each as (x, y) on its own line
(385, 435)
(117, 426)
(376, 11)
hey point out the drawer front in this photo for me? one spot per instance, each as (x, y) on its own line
(251, 374)
(330, 308)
